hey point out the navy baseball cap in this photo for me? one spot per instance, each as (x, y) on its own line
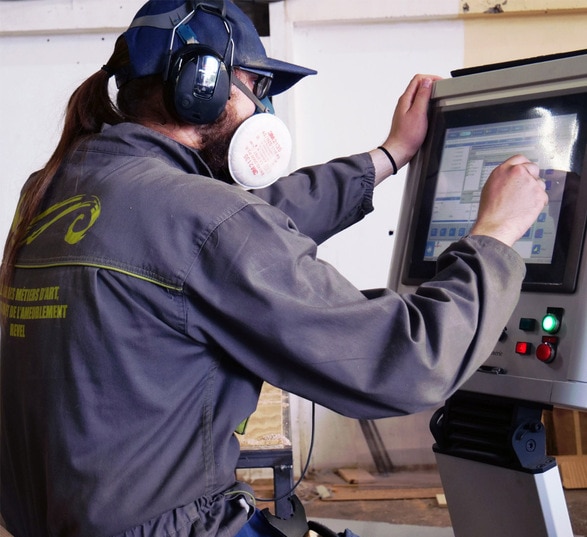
(151, 34)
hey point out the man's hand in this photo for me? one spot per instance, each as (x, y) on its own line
(511, 200)
(408, 126)
(410, 120)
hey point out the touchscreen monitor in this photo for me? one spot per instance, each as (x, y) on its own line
(467, 144)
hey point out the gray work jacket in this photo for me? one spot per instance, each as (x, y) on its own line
(150, 301)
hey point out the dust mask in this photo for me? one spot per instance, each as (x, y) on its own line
(259, 151)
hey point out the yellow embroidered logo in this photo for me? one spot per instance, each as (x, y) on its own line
(84, 209)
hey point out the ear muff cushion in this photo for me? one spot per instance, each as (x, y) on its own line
(185, 82)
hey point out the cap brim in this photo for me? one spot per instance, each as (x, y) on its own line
(285, 74)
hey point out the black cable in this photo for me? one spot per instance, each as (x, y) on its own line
(306, 466)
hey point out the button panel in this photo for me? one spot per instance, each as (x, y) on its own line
(539, 340)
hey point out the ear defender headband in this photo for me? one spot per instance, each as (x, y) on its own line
(197, 78)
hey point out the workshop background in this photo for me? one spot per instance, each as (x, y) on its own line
(365, 52)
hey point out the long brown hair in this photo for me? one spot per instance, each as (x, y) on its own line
(89, 109)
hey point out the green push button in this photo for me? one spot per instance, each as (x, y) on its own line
(551, 322)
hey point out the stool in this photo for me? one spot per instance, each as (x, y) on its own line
(281, 462)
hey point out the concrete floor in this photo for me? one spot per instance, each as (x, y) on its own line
(383, 529)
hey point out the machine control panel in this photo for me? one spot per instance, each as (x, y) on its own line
(477, 121)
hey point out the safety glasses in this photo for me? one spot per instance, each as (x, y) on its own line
(262, 84)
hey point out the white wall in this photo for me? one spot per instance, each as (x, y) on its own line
(363, 69)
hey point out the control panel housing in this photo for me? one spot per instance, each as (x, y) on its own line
(478, 119)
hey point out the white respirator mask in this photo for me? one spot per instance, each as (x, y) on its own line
(260, 150)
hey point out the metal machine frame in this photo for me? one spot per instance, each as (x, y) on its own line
(497, 478)
(490, 441)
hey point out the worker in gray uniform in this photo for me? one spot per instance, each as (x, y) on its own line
(146, 294)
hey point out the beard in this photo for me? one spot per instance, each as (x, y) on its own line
(215, 141)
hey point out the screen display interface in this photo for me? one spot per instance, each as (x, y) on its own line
(469, 155)
(466, 143)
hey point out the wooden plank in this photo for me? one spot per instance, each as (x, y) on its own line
(519, 6)
(577, 427)
(573, 471)
(569, 432)
(340, 493)
(4, 532)
(355, 475)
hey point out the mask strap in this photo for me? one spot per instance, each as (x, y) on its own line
(243, 87)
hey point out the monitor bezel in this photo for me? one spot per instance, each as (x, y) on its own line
(561, 274)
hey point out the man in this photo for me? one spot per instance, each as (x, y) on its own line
(145, 297)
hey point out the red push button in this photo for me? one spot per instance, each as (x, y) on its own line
(523, 347)
(546, 352)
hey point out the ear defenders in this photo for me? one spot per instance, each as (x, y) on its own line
(198, 78)
(198, 84)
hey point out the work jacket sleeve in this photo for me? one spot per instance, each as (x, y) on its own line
(294, 321)
(327, 198)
